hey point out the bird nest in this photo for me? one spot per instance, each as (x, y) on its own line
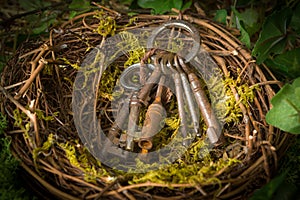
(48, 84)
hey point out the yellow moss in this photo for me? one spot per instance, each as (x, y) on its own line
(194, 154)
(107, 24)
(167, 133)
(74, 65)
(107, 83)
(131, 44)
(19, 117)
(93, 68)
(70, 153)
(81, 160)
(246, 95)
(172, 122)
(40, 115)
(44, 148)
(131, 21)
(20, 120)
(175, 46)
(194, 173)
(48, 70)
(68, 80)
(217, 91)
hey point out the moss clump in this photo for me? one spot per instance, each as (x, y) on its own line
(182, 172)
(22, 121)
(44, 149)
(41, 115)
(131, 45)
(80, 158)
(217, 93)
(107, 24)
(246, 96)
(67, 62)
(108, 82)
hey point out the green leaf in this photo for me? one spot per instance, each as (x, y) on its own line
(126, 2)
(187, 5)
(285, 113)
(177, 4)
(44, 22)
(43, 27)
(267, 192)
(79, 5)
(295, 22)
(286, 191)
(30, 5)
(160, 6)
(288, 63)
(72, 14)
(221, 16)
(250, 19)
(245, 38)
(273, 36)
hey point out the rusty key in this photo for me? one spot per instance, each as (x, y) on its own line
(210, 119)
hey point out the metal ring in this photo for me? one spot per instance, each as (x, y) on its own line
(180, 24)
(128, 73)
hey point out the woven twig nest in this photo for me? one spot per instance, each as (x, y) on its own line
(37, 98)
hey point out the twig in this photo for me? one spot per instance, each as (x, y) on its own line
(107, 9)
(275, 82)
(107, 187)
(32, 116)
(31, 79)
(244, 69)
(150, 184)
(77, 17)
(14, 85)
(234, 136)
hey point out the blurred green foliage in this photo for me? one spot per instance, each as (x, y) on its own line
(11, 184)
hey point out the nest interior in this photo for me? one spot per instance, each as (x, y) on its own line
(37, 98)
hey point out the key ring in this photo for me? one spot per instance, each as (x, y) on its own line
(129, 73)
(180, 24)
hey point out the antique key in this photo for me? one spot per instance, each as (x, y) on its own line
(210, 119)
(189, 97)
(136, 103)
(154, 117)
